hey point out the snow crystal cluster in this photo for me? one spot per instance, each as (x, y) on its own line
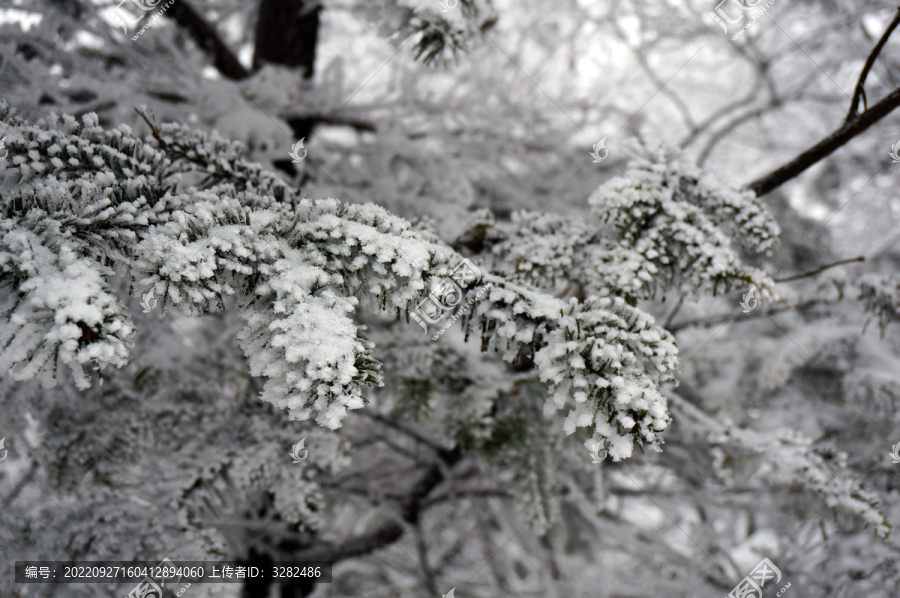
(603, 359)
(663, 227)
(675, 227)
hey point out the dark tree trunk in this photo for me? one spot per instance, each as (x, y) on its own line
(209, 41)
(287, 33)
(297, 589)
(257, 588)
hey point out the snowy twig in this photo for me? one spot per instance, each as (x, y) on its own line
(721, 319)
(815, 271)
(706, 322)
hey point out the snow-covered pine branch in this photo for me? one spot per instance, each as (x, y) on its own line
(603, 359)
(297, 269)
(665, 226)
(786, 457)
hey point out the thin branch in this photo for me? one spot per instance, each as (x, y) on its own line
(14, 493)
(674, 312)
(384, 534)
(412, 455)
(487, 548)
(825, 147)
(440, 450)
(721, 319)
(718, 114)
(474, 493)
(422, 553)
(690, 409)
(344, 479)
(853, 125)
(738, 490)
(729, 127)
(860, 92)
(657, 82)
(820, 269)
(339, 121)
(207, 39)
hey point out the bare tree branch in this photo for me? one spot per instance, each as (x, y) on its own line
(674, 312)
(207, 38)
(853, 125)
(815, 271)
(14, 493)
(422, 553)
(658, 83)
(825, 147)
(762, 313)
(860, 92)
(437, 448)
(330, 119)
(474, 493)
(385, 534)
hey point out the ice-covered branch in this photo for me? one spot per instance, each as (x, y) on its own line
(296, 268)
